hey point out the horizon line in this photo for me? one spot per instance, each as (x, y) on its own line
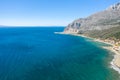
(32, 26)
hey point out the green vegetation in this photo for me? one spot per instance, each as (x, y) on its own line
(104, 34)
(116, 35)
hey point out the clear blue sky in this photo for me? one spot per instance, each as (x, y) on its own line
(48, 12)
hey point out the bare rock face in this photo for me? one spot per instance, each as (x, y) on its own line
(99, 21)
(115, 7)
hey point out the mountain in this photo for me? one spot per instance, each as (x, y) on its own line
(102, 24)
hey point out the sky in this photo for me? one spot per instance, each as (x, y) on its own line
(48, 12)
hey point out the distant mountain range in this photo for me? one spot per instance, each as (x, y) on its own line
(102, 24)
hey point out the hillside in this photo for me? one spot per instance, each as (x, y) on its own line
(104, 24)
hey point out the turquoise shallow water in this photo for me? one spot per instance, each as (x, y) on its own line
(39, 54)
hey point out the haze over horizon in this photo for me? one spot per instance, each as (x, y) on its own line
(48, 12)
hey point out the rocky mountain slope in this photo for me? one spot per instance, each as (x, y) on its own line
(106, 21)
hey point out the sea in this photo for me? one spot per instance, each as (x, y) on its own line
(37, 53)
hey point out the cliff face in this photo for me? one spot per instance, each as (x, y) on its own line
(103, 20)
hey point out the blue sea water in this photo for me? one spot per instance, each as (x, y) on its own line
(39, 54)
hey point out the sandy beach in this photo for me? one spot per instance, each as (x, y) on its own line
(115, 64)
(116, 61)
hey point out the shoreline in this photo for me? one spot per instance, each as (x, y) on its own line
(115, 63)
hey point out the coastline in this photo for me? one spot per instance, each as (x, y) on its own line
(115, 63)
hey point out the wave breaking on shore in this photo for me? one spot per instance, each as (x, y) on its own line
(114, 64)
